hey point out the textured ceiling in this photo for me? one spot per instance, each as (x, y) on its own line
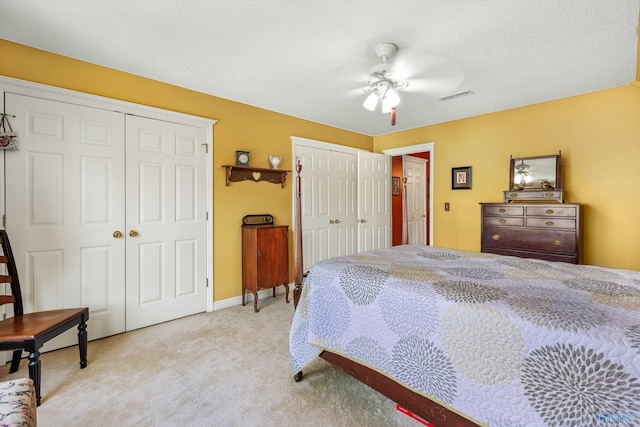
(308, 58)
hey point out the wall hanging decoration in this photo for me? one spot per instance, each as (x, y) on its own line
(8, 138)
(461, 178)
(395, 185)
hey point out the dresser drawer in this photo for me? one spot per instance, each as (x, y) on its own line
(551, 223)
(510, 221)
(503, 210)
(568, 211)
(537, 195)
(554, 241)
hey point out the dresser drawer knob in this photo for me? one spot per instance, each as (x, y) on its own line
(502, 221)
(495, 237)
(549, 222)
(514, 194)
(548, 194)
(502, 210)
(557, 242)
(549, 211)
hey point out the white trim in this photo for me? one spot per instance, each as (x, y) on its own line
(69, 96)
(296, 140)
(421, 148)
(262, 294)
(37, 90)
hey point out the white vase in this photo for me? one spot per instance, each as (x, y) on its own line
(275, 161)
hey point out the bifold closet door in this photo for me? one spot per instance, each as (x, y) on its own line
(108, 211)
(166, 221)
(329, 204)
(64, 202)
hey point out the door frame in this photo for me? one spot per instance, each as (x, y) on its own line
(423, 162)
(420, 148)
(38, 90)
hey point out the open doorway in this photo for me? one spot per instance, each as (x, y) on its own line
(414, 200)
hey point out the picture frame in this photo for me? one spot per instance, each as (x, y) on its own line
(461, 178)
(395, 185)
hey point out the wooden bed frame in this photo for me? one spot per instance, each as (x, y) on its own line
(421, 406)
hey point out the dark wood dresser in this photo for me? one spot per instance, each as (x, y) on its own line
(533, 230)
(265, 259)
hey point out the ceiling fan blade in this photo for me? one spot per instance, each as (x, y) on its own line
(442, 73)
(442, 86)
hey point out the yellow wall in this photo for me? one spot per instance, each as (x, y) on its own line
(599, 136)
(239, 127)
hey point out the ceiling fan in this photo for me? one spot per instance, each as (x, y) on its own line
(408, 70)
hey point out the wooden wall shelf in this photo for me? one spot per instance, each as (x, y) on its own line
(244, 173)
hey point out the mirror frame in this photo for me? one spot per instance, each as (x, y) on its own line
(558, 176)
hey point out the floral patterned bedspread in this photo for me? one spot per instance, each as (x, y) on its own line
(506, 341)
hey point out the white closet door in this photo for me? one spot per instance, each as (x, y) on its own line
(329, 204)
(415, 170)
(166, 222)
(64, 201)
(315, 180)
(343, 211)
(374, 201)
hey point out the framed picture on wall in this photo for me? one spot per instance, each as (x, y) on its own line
(461, 178)
(395, 185)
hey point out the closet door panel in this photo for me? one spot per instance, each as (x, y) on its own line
(64, 201)
(166, 223)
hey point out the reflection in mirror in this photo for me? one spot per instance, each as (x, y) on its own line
(535, 173)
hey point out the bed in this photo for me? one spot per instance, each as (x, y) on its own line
(466, 338)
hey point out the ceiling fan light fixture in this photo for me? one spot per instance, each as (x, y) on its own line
(392, 98)
(371, 102)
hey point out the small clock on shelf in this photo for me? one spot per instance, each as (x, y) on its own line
(242, 158)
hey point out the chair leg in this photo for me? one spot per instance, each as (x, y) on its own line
(82, 344)
(15, 362)
(34, 373)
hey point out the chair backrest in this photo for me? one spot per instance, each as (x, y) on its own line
(11, 277)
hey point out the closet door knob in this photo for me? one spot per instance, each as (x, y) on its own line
(337, 221)
(117, 234)
(133, 233)
(331, 221)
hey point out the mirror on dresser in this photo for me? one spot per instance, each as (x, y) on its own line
(535, 178)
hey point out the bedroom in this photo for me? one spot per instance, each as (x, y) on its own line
(597, 133)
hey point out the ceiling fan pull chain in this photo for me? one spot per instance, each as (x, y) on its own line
(393, 116)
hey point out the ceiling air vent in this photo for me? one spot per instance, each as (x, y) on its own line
(456, 95)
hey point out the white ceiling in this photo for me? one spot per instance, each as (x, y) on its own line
(308, 58)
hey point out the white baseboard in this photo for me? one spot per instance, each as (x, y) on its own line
(262, 294)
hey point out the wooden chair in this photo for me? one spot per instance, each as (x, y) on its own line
(30, 331)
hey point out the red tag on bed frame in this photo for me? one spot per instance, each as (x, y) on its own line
(414, 416)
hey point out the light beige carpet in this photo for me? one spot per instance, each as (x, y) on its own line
(226, 368)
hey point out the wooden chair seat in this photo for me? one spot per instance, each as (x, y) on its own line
(30, 331)
(33, 326)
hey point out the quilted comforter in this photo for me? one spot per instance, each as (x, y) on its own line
(506, 341)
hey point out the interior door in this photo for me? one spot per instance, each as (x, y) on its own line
(166, 221)
(415, 170)
(64, 201)
(374, 201)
